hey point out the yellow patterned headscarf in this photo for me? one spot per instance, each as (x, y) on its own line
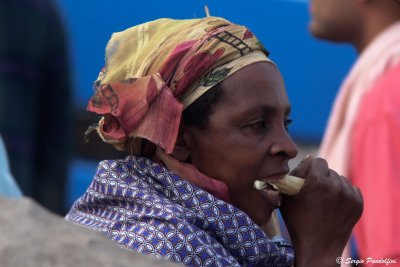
(155, 70)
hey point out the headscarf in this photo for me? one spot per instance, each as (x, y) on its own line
(155, 70)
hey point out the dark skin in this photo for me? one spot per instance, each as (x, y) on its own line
(246, 139)
(321, 227)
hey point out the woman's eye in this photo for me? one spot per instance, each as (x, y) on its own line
(258, 125)
(287, 123)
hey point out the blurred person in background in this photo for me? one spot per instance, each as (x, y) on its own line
(35, 98)
(362, 138)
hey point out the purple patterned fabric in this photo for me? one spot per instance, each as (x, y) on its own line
(146, 208)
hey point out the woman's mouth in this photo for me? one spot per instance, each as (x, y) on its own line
(270, 192)
(289, 185)
(261, 185)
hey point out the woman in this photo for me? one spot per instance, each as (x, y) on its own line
(204, 113)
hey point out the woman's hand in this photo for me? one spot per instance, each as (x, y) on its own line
(321, 217)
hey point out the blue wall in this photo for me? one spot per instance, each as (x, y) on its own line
(312, 69)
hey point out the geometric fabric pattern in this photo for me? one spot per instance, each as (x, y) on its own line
(144, 207)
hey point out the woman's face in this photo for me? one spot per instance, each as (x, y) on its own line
(246, 138)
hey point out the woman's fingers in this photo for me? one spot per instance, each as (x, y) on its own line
(322, 215)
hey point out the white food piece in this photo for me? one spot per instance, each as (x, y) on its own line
(289, 184)
(260, 185)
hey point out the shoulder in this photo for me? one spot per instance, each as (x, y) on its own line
(383, 98)
(388, 84)
(390, 78)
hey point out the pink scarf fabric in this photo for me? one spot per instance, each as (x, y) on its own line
(192, 174)
(381, 54)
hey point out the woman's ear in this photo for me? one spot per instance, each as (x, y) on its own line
(181, 150)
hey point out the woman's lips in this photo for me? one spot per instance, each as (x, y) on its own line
(270, 191)
(289, 184)
(260, 185)
(272, 196)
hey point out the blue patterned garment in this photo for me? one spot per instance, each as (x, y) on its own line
(146, 208)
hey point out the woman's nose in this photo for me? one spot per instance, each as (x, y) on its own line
(284, 146)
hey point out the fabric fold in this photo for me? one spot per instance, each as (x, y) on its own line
(134, 106)
(146, 208)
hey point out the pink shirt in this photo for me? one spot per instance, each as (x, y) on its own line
(375, 167)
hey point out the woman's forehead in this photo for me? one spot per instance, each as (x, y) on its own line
(259, 79)
(255, 88)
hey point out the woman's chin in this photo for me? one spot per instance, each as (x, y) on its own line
(259, 206)
(262, 216)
